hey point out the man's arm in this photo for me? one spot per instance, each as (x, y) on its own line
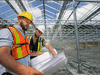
(35, 54)
(50, 49)
(10, 63)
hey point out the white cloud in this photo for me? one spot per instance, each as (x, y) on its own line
(37, 12)
(80, 12)
(84, 10)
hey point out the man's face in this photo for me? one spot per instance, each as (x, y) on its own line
(38, 33)
(25, 23)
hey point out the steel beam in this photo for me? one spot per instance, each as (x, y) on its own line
(60, 16)
(76, 0)
(86, 0)
(11, 6)
(20, 4)
(72, 12)
(44, 13)
(2, 21)
(77, 39)
(95, 13)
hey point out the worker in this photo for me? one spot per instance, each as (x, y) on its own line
(36, 43)
(14, 47)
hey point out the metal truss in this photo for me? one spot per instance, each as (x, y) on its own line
(77, 0)
(20, 4)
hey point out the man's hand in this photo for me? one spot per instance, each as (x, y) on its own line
(54, 54)
(30, 71)
(39, 53)
(50, 49)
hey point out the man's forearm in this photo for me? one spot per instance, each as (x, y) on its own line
(9, 62)
(51, 49)
(33, 54)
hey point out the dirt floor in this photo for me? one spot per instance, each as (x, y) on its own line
(90, 62)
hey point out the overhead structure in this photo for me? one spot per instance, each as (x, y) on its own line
(86, 0)
(21, 5)
(44, 13)
(11, 6)
(59, 18)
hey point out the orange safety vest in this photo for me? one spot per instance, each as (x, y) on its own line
(20, 47)
(1, 28)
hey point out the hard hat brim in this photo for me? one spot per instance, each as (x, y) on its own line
(32, 23)
(28, 19)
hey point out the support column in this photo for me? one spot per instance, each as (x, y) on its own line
(93, 40)
(60, 36)
(97, 32)
(86, 46)
(77, 39)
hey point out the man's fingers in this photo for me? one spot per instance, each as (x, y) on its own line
(41, 73)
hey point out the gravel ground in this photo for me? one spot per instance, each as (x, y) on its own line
(91, 57)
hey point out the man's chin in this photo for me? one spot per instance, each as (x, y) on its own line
(36, 36)
(25, 29)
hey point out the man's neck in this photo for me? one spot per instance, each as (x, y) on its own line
(34, 37)
(21, 27)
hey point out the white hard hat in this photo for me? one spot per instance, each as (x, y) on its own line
(41, 28)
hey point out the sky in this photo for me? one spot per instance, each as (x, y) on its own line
(52, 10)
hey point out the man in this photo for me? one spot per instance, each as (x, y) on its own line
(37, 42)
(14, 48)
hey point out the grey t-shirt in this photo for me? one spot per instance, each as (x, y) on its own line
(6, 37)
(34, 41)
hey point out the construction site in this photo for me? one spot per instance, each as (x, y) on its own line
(71, 26)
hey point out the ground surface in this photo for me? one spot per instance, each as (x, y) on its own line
(91, 57)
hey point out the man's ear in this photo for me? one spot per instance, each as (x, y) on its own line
(35, 29)
(19, 19)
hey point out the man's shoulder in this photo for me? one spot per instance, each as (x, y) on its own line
(4, 30)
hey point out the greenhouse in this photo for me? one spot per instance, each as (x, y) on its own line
(71, 26)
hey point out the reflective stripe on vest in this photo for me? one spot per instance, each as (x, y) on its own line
(39, 44)
(22, 51)
(30, 39)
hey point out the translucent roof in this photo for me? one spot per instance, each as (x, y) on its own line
(52, 13)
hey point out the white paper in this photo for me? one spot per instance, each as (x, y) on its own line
(47, 64)
(38, 61)
(57, 62)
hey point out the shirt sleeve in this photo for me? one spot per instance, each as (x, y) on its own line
(6, 38)
(43, 42)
